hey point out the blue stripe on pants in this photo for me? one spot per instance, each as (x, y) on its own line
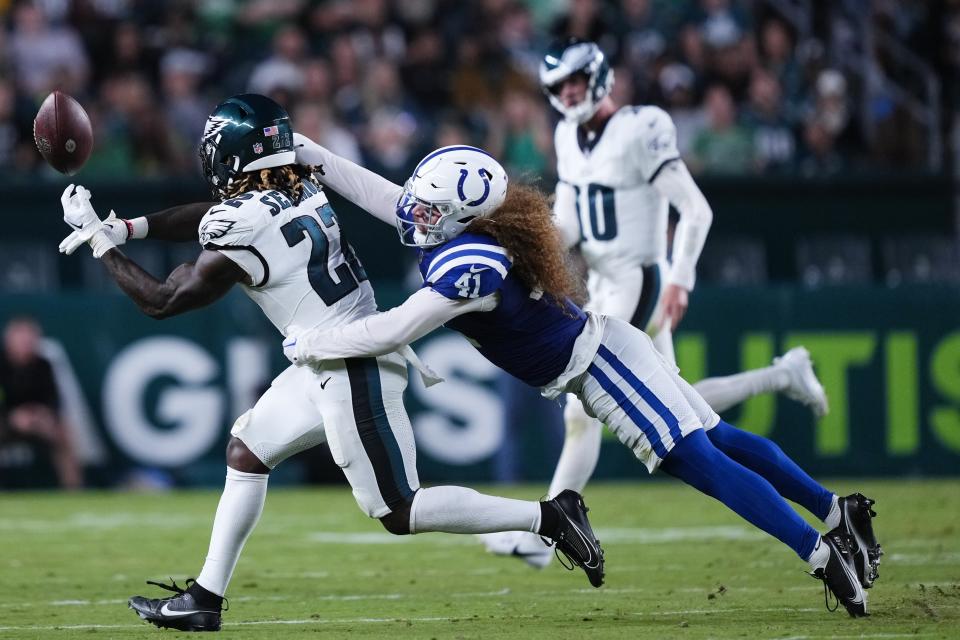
(376, 435)
(673, 425)
(629, 408)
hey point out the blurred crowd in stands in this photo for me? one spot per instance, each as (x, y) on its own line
(752, 91)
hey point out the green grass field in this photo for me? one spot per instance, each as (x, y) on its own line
(678, 566)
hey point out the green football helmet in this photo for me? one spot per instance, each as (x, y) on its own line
(244, 133)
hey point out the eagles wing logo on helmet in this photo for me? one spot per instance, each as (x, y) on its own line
(215, 228)
(214, 125)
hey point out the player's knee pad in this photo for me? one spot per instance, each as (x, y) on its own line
(397, 521)
(574, 416)
(241, 458)
(577, 421)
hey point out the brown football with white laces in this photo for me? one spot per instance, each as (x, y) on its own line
(62, 133)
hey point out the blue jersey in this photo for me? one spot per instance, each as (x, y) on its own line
(528, 335)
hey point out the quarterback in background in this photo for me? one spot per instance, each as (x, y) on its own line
(619, 171)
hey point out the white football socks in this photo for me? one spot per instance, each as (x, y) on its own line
(833, 518)
(460, 510)
(237, 514)
(581, 449)
(821, 554)
(724, 392)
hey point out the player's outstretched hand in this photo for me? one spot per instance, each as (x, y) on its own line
(117, 229)
(290, 348)
(309, 153)
(675, 301)
(80, 215)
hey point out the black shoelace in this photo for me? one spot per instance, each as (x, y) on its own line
(827, 593)
(561, 555)
(172, 587)
(225, 606)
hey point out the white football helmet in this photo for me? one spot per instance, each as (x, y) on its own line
(576, 56)
(458, 182)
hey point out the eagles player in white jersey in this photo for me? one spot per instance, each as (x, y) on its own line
(273, 232)
(619, 171)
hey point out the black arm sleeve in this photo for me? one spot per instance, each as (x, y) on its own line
(177, 224)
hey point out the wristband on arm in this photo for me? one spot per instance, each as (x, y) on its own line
(137, 227)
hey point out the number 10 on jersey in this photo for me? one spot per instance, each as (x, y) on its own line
(603, 223)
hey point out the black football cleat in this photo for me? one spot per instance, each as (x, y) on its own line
(840, 577)
(180, 611)
(574, 536)
(856, 520)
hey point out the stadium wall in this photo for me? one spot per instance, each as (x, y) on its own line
(776, 214)
(142, 394)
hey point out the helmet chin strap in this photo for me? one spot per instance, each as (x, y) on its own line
(419, 237)
(584, 111)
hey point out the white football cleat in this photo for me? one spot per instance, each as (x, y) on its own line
(803, 385)
(527, 546)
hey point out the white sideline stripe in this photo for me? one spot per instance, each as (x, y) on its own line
(319, 598)
(733, 590)
(320, 621)
(624, 535)
(325, 621)
(920, 559)
(677, 534)
(88, 520)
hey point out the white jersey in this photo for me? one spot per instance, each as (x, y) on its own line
(605, 200)
(302, 272)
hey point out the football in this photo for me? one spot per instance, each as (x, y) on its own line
(62, 133)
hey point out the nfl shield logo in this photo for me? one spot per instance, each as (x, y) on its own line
(257, 147)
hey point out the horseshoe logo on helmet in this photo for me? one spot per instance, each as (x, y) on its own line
(486, 175)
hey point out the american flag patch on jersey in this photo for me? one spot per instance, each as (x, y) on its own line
(271, 131)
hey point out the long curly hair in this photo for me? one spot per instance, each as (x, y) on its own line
(287, 179)
(523, 226)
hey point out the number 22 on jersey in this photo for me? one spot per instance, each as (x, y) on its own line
(349, 273)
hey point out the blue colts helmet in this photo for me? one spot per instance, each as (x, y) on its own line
(460, 183)
(566, 58)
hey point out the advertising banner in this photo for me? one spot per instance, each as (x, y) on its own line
(142, 394)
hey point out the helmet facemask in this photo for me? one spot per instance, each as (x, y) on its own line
(424, 233)
(218, 171)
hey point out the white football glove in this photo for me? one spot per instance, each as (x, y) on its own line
(290, 346)
(116, 229)
(79, 214)
(290, 349)
(309, 153)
